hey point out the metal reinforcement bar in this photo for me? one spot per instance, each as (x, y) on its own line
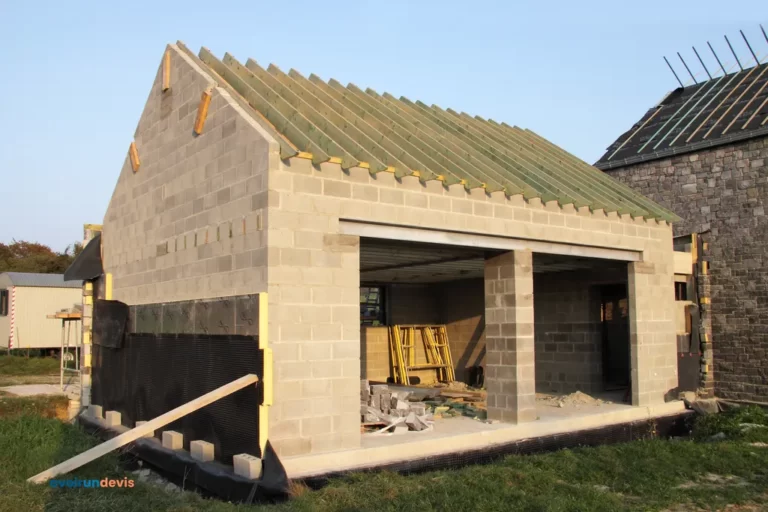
(140, 431)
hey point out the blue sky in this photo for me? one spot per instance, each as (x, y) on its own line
(76, 75)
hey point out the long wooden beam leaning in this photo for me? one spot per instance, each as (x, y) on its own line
(137, 432)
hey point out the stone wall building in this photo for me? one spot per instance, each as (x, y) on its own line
(703, 153)
(243, 180)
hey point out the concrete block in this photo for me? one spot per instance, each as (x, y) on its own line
(414, 423)
(400, 429)
(140, 423)
(419, 408)
(400, 405)
(112, 418)
(201, 450)
(378, 389)
(96, 411)
(247, 466)
(173, 440)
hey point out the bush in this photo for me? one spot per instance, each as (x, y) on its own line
(731, 423)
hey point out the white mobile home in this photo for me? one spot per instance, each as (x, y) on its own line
(25, 302)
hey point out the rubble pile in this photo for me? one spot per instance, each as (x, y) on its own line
(392, 410)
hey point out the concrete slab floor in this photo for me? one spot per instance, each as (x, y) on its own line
(455, 435)
(71, 390)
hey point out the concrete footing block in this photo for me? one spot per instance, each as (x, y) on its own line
(95, 411)
(247, 466)
(173, 440)
(112, 419)
(140, 423)
(201, 450)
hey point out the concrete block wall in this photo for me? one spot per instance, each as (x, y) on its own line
(374, 353)
(190, 223)
(462, 310)
(316, 383)
(568, 334)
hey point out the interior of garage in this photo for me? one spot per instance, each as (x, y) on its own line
(581, 331)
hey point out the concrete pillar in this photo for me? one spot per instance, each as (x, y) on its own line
(652, 332)
(510, 375)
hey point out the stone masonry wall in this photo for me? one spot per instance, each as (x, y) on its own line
(722, 193)
(190, 223)
(313, 282)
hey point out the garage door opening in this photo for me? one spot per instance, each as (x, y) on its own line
(581, 329)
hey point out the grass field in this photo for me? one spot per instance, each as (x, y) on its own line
(16, 366)
(643, 475)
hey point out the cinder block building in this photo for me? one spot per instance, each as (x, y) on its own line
(243, 180)
(702, 153)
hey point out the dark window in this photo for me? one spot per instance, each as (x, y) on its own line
(372, 305)
(3, 302)
(681, 291)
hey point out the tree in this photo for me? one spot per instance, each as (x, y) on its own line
(22, 256)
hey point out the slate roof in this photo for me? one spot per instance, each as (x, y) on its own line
(327, 121)
(41, 280)
(719, 111)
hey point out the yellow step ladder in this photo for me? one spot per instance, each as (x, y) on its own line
(402, 347)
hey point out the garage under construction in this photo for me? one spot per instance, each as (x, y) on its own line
(367, 257)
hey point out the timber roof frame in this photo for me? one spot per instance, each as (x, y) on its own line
(328, 122)
(722, 110)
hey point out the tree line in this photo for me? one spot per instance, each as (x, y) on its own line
(21, 256)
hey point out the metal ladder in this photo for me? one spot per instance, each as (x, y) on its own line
(402, 346)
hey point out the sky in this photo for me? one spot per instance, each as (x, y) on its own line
(76, 75)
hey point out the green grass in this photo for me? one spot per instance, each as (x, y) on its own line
(19, 365)
(44, 406)
(643, 475)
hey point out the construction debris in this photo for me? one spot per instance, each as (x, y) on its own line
(575, 399)
(381, 406)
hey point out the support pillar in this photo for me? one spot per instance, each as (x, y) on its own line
(509, 374)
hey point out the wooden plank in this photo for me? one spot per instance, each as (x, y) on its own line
(140, 431)
(202, 111)
(133, 152)
(167, 70)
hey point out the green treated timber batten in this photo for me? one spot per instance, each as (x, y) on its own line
(542, 188)
(497, 178)
(595, 195)
(338, 134)
(594, 174)
(468, 162)
(513, 184)
(660, 212)
(621, 204)
(562, 189)
(286, 149)
(611, 200)
(389, 131)
(375, 129)
(319, 139)
(534, 188)
(416, 139)
(342, 119)
(256, 101)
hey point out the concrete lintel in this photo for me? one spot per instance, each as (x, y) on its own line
(411, 234)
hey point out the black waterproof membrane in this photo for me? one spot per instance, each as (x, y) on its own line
(211, 477)
(109, 331)
(154, 373)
